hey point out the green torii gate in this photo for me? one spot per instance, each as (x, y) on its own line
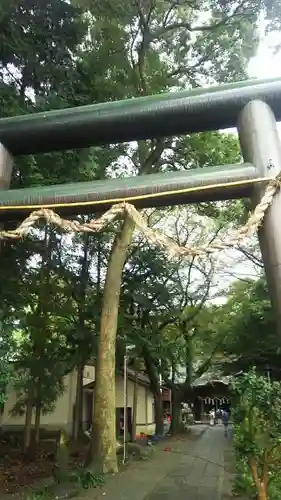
(251, 106)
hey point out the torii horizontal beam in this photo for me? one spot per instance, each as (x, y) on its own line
(156, 116)
(163, 189)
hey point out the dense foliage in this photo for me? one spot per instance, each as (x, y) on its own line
(244, 330)
(257, 417)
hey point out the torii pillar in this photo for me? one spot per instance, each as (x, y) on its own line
(260, 145)
(6, 165)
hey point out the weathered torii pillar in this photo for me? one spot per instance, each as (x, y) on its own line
(6, 165)
(260, 144)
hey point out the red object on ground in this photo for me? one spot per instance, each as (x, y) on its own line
(167, 449)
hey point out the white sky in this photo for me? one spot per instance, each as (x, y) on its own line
(265, 64)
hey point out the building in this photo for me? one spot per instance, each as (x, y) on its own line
(167, 400)
(62, 416)
(210, 393)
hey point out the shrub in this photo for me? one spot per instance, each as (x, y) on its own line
(84, 478)
(257, 419)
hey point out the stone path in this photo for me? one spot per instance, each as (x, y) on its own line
(193, 469)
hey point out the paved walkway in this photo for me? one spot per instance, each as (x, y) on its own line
(200, 473)
(193, 469)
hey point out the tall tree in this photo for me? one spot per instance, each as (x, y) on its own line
(41, 354)
(161, 305)
(248, 330)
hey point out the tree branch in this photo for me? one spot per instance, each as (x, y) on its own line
(154, 156)
(253, 258)
(205, 27)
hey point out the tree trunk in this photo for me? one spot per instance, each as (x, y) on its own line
(77, 424)
(262, 493)
(28, 421)
(176, 412)
(156, 391)
(37, 423)
(261, 486)
(159, 414)
(61, 471)
(135, 406)
(84, 282)
(103, 443)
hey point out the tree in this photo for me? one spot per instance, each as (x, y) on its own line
(104, 427)
(246, 329)
(161, 305)
(77, 262)
(38, 71)
(7, 374)
(41, 355)
(37, 76)
(147, 292)
(257, 417)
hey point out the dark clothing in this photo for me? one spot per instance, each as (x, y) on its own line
(225, 418)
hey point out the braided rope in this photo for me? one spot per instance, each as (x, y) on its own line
(154, 236)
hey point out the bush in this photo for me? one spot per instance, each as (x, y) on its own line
(81, 478)
(85, 479)
(243, 483)
(257, 438)
(43, 494)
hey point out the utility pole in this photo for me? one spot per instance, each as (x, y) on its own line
(125, 388)
(125, 405)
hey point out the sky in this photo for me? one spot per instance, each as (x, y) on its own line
(265, 64)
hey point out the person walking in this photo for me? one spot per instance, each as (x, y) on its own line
(218, 416)
(225, 421)
(212, 417)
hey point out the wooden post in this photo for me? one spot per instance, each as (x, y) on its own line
(261, 146)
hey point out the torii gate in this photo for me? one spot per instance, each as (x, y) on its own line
(250, 106)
